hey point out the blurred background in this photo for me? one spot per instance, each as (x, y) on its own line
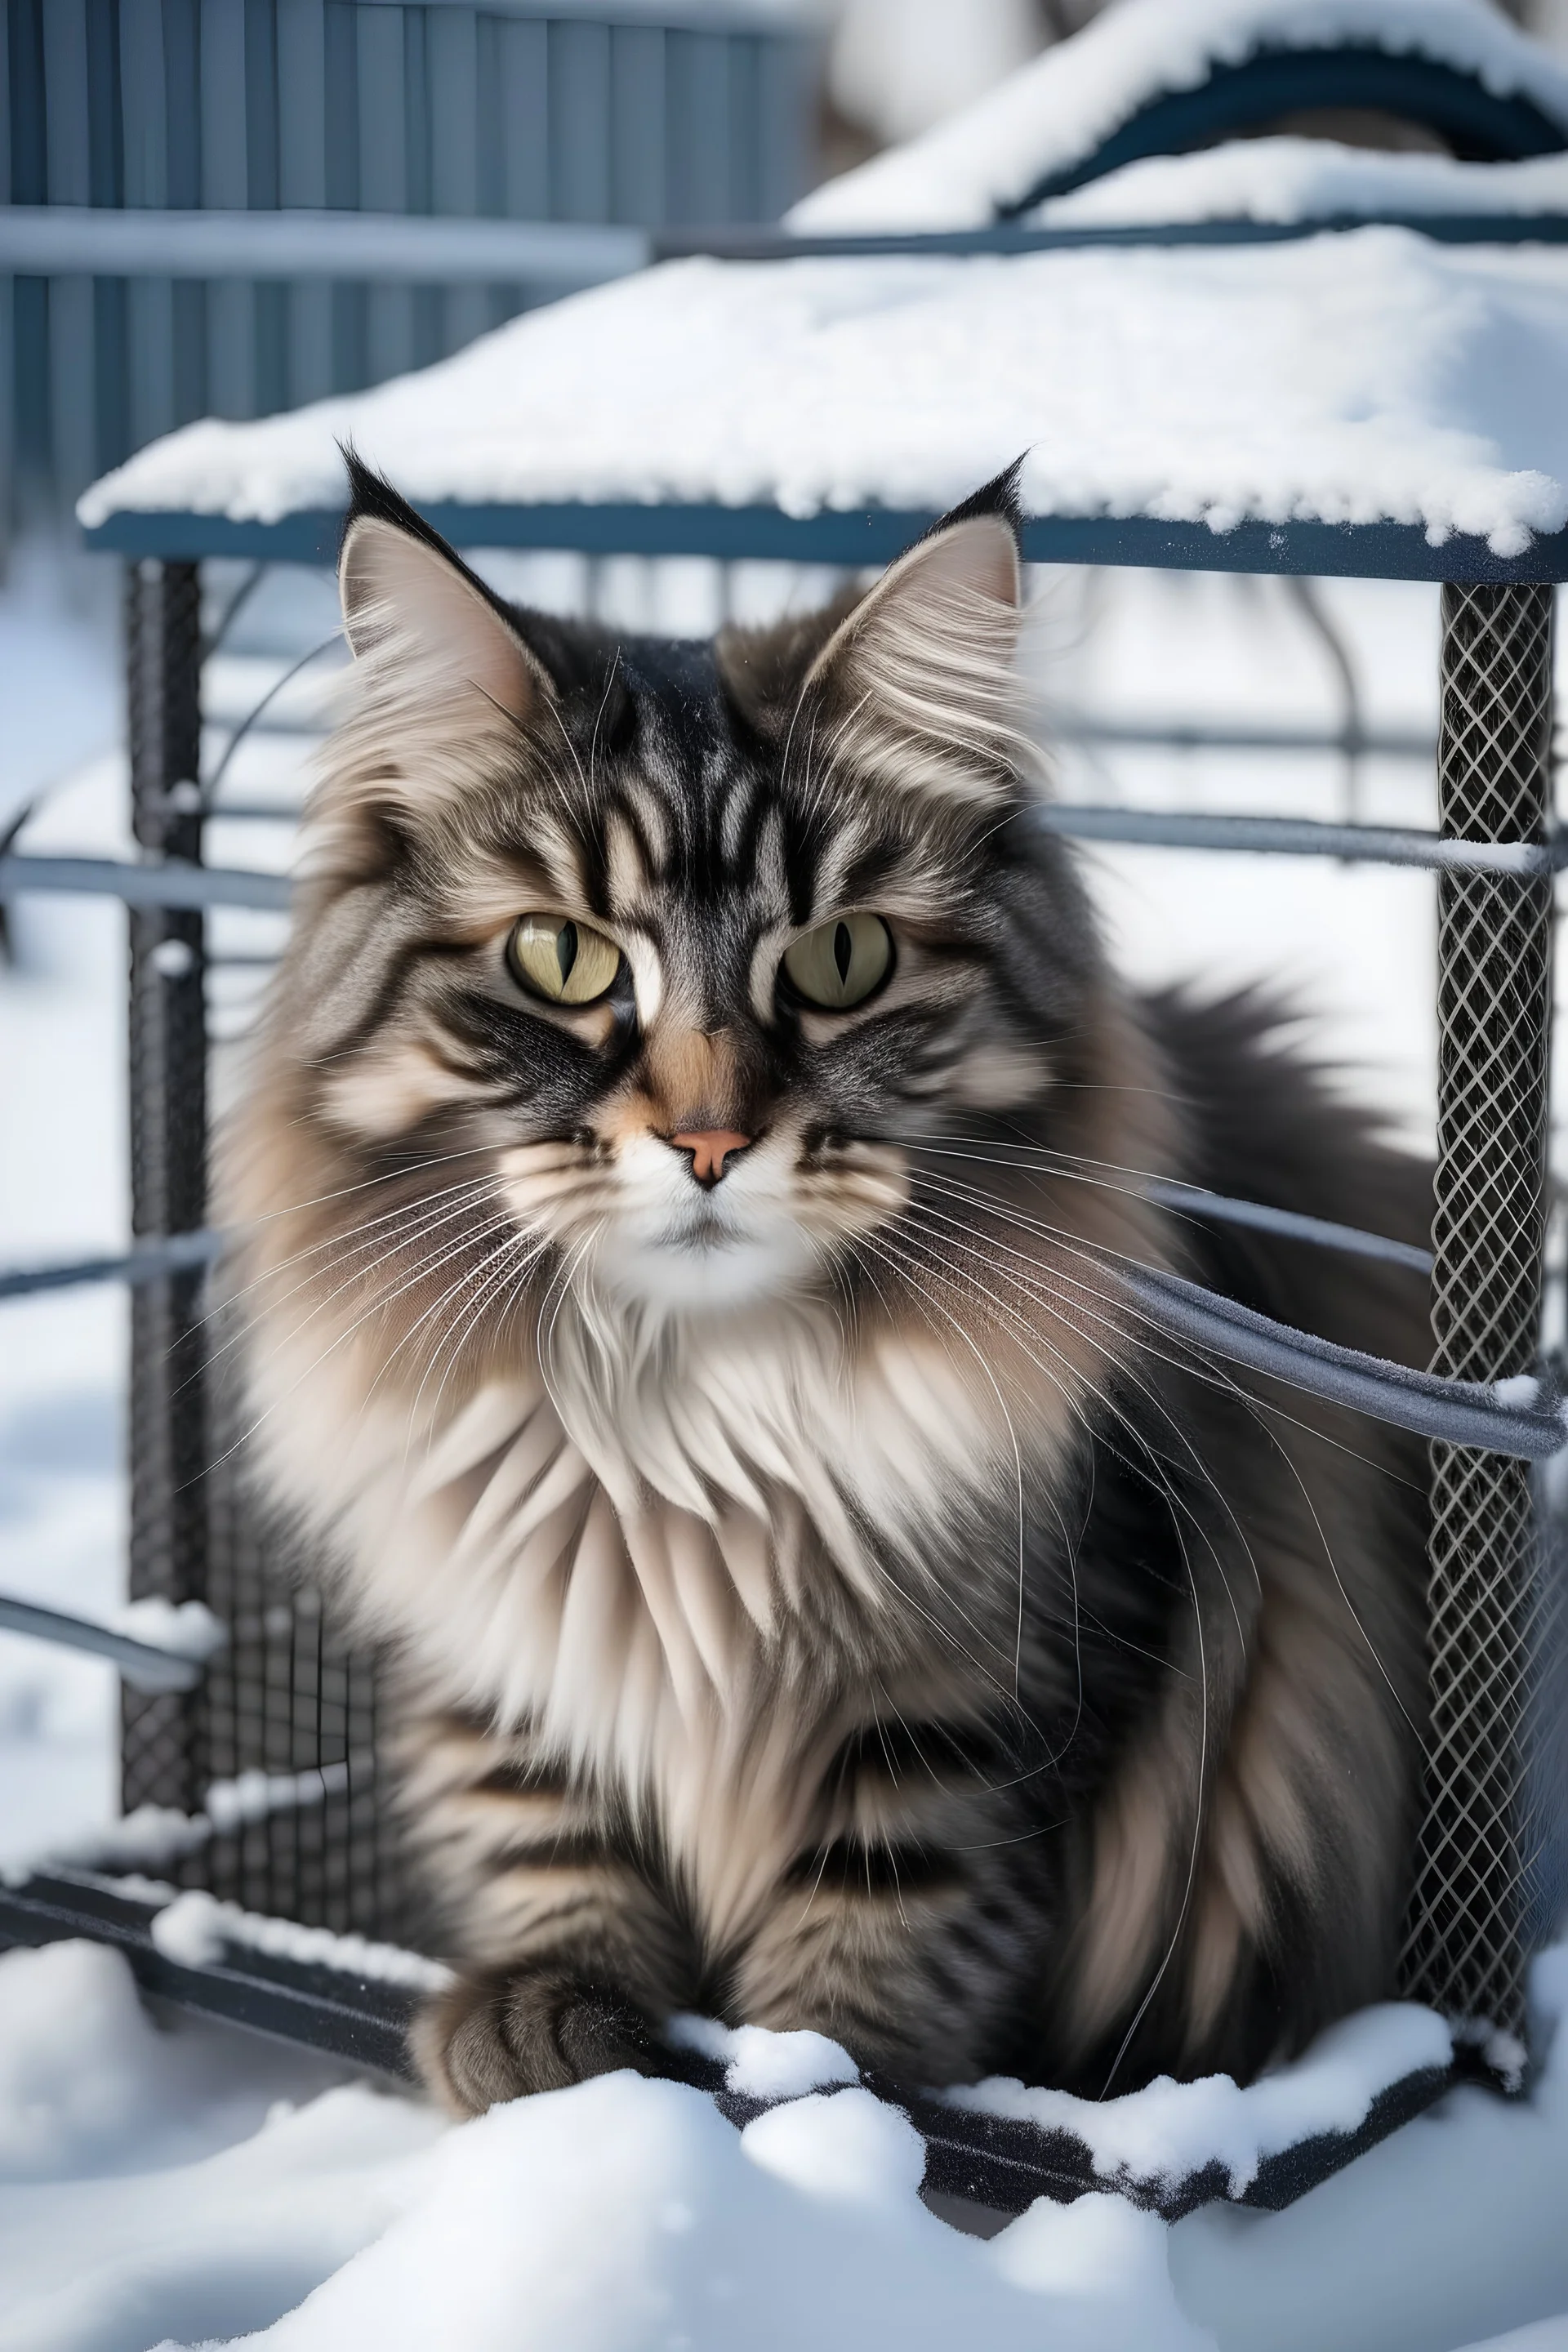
(173, 123)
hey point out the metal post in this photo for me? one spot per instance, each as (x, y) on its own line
(1464, 1952)
(168, 1159)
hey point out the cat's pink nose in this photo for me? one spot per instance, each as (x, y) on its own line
(709, 1147)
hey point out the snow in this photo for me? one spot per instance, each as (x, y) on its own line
(1055, 113)
(802, 2229)
(178, 2183)
(149, 1835)
(1358, 378)
(159, 1833)
(181, 2179)
(898, 66)
(1173, 2129)
(251, 1796)
(90, 2086)
(1287, 180)
(187, 1629)
(196, 1928)
(1521, 1390)
(763, 2066)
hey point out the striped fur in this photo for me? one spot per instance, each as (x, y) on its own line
(814, 1597)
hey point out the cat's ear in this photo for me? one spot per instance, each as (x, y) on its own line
(920, 675)
(416, 618)
(443, 692)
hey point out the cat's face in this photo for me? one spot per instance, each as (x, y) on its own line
(673, 953)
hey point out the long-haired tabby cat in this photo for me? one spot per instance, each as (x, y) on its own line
(691, 1146)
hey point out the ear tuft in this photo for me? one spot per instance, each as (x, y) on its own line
(442, 687)
(923, 669)
(411, 605)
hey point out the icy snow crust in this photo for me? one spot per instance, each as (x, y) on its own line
(1367, 377)
(1057, 113)
(184, 2186)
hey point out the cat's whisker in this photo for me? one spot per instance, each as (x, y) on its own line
(549, 1315)
(1256, 1408)
(231, 1297)
(521, 1245)
(879, 1245)
(419, 1220)
(1035, 1286)
(1175, 1939)
(1164, 1346)
(498, 1271)
(394, 1229)
(468, 1243)
(367, 1183)
(1195, 1849)
(377, 1305)
(1099, 1256)
(1170, 1492)
(1069, 1550)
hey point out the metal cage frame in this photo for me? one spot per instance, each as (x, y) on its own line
(194, 1535)
(290, 1702)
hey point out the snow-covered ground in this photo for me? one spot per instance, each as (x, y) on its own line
(165, 2183)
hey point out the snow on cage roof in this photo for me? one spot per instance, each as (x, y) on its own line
(1289, 180)
(1361, 378)
(1051, 124)
(1234, 405)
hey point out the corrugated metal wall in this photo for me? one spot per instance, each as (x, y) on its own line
(637, 114)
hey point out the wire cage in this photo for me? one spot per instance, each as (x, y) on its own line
(290, 1709)
(291, 1701)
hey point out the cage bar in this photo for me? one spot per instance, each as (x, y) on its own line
(1465, 1950)
(159, 1764)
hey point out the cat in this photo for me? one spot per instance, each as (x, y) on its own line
(687, 1156)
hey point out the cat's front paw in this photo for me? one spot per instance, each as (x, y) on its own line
(500, 2035)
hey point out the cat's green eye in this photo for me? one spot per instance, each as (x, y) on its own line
(840, 964)
(563, 960)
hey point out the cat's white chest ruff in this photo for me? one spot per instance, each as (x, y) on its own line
(616, 1556)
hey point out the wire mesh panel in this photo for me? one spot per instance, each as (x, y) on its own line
(1464, 1952)
(278, 1747)
(291, 1710)
(288, 1721)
